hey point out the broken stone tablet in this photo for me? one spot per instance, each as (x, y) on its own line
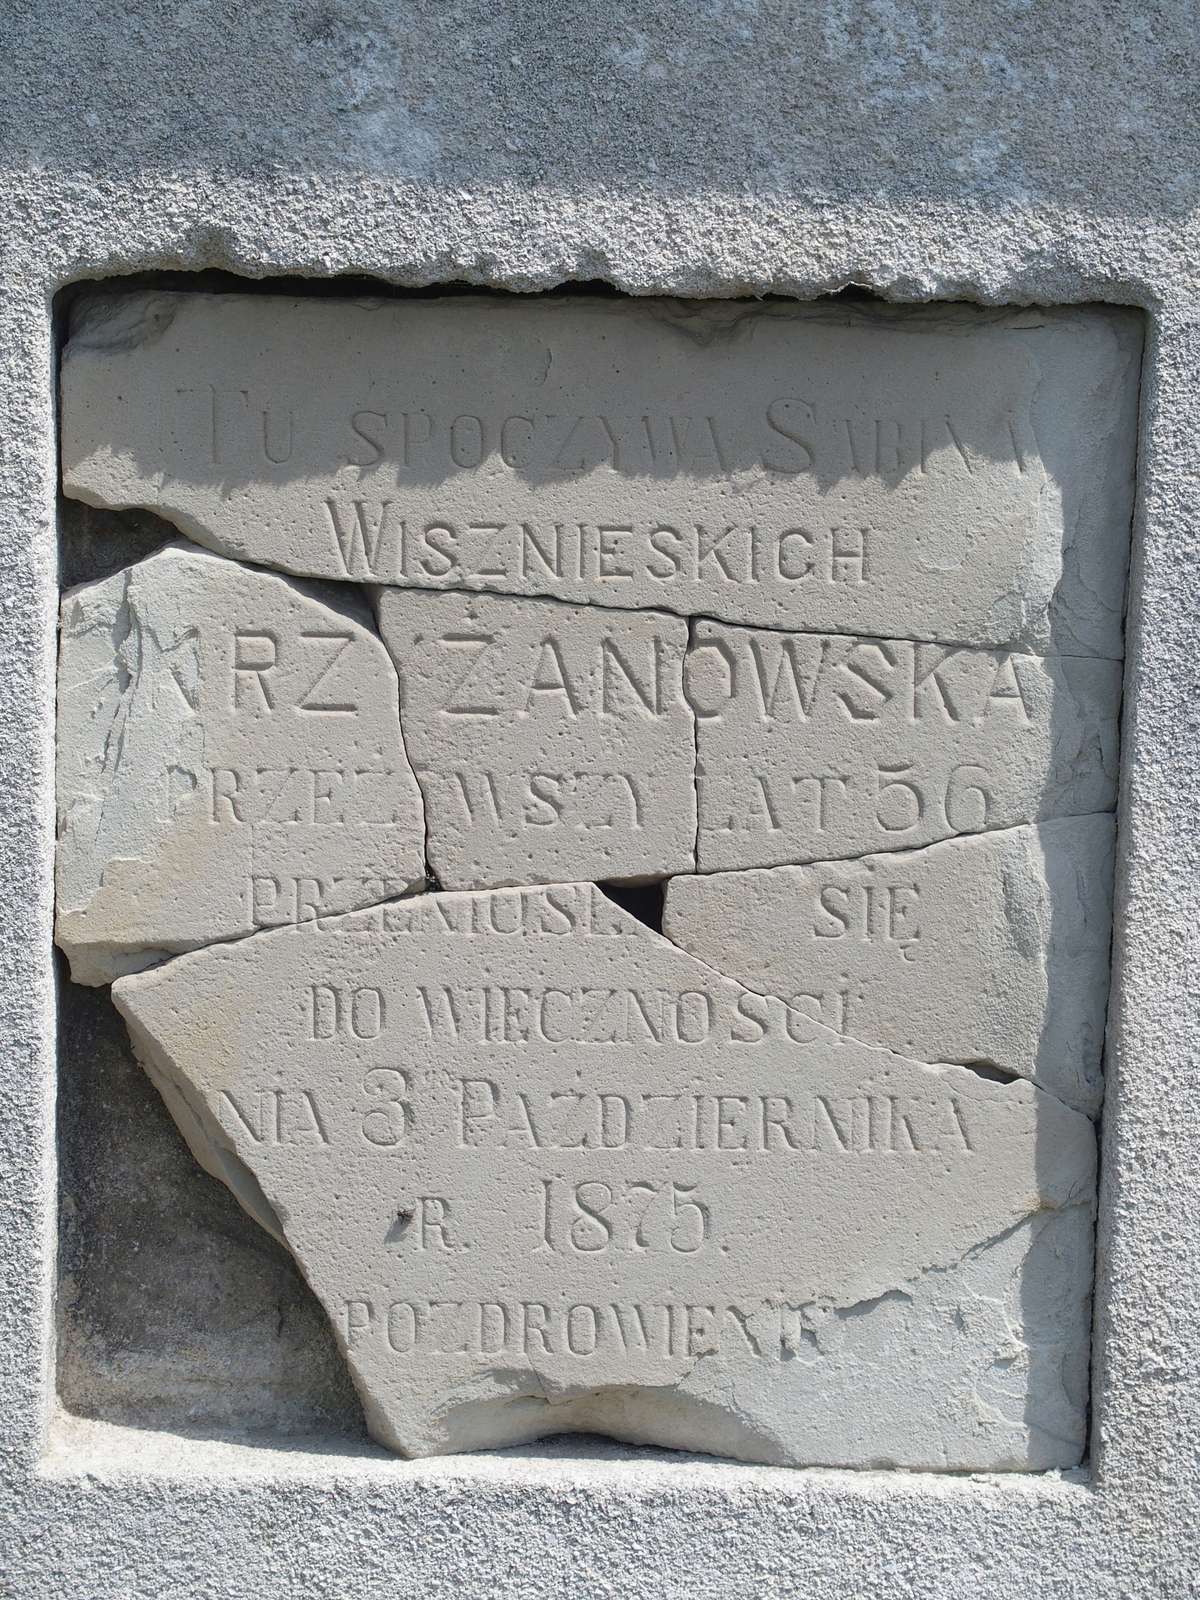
(815, 746)
(229, 758)
(546, 1172)
(932, 473)
(991, 949)
(552, 742)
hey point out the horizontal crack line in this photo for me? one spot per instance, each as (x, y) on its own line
(863, 1044)
(664, 608)
(891, 850)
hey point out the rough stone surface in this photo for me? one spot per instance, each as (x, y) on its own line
(946, 473)
(982, 152)
(547, 1172)
(226, 730)
(811, 747)
(552, 742)
(544, 1186)
(991, 949)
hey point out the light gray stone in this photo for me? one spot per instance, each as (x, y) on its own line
(812, 747)
(545, 1170)
(980, 1365)
(946, 473)
(229, 757)
(548, 1172)
(986, 152)
(990, 949)
(552, 742)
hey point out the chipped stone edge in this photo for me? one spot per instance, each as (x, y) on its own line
(1091, 1094)
(96, 1501)
(95, 963)
(213, 1151)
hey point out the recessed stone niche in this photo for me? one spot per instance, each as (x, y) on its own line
(598, 816)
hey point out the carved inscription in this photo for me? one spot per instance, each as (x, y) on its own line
(990, 948)
(839, 470)
(552, 742)
(638, 1114)
(814, 746)
(639, 934)
(230, 758)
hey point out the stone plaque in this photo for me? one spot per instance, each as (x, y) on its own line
(643, 776)
(553, 742)
(545, 1170)
(943, 474)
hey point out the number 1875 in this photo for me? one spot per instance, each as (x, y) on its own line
(590, 1217)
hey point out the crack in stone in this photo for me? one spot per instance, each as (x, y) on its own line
(893, 849)
(1017, 596)
(696, 771)
(370, 603)
(985, 1070)
(183, 525)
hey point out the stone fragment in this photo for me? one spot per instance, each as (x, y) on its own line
(229, 758)
(548, 1172)
(990, 949)
(982, 1366)
(552, 742)
(932, 473)
(815, 746)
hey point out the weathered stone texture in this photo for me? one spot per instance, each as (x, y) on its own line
(230, 757)
(990, 153)
(546, 1171)
(552, 742)
(943, 473)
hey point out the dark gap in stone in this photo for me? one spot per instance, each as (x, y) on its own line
(857, 291)
(168, 1293)
(644, 901)
(990, 1071)
(96, 541)
(346, 286)
(353, 286)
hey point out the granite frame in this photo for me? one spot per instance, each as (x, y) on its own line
(93, 1509)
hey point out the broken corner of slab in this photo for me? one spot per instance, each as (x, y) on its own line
(229, 757)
